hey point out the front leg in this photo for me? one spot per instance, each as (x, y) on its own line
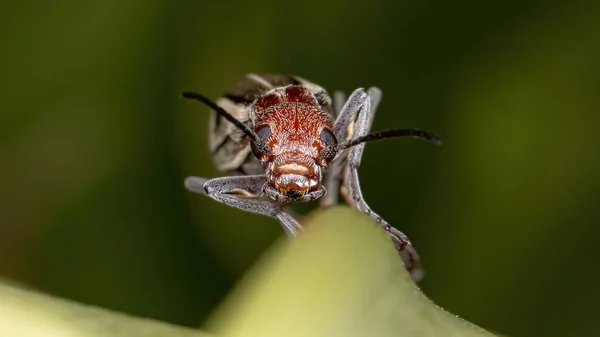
(333, 175)
(243, 192)
(358, 126)
(346, 112)
(353, 130)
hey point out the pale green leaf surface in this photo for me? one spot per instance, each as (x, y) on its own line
(25, 313)
(341, 277)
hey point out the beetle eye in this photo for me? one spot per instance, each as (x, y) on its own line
(263, 132)
(327, 137)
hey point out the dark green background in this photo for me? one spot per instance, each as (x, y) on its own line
(95, 144)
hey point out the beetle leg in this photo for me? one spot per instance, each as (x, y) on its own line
(352, 132)
(333, 175)
(351, 123)
(361, 125)
(332, 180)
(357, 101)
(358, 127)
(243, 192)
(346, 126)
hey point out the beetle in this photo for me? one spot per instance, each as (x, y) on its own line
(276, 136)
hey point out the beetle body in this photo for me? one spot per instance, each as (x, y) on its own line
(295, 119)
(275, 135)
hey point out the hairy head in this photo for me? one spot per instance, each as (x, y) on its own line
(299, 138)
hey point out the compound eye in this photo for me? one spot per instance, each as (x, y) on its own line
(330, 141)
(263, 132)
(328, 138)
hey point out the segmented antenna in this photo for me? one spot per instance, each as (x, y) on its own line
(248, 131)
(391, 134)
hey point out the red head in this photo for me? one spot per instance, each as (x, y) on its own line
(300, 141)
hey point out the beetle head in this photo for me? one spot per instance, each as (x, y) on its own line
(294, 162)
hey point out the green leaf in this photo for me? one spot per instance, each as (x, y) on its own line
(341, 277)
(25, 313)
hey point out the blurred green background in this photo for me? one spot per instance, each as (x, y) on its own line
(95, 144)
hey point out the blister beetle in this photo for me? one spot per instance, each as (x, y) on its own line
(275, 135)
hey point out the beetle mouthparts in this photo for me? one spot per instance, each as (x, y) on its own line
(293, 184)
(292, 193)
(295, 179)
